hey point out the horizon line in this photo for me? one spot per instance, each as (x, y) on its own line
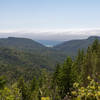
(46, 30)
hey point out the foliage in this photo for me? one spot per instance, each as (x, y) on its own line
(37, 82)
(12, 93)
(90, 92)
(2, 82)
(64, 77)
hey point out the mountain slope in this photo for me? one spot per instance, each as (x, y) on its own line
(36, 49)
(15, 61)
(71, 47)
(21, 44)
(31, 51)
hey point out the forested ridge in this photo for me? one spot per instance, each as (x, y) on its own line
(23, 78)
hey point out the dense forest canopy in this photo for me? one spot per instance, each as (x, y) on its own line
(75, 79)
(21, 56)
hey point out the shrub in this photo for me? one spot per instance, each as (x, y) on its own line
(89, 92)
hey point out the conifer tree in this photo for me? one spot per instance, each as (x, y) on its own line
(65, 79)
(95, 46)
(78, 66)
(55, 81)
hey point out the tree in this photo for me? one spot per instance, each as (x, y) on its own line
(2, 82)
(33, 84)
(55, 82)
(45, 83)
(78, 65)
(24, 89)
(65, 78)
(95, 46)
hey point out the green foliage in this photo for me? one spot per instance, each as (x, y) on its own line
(84, 65)
(33, 84)
(24, 89)
(71, 47)
(38, 82)
(90, 92)
(12, 93)
(64, 77)
(44, 83)
(2, 82)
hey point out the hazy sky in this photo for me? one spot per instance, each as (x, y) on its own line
(47, 15)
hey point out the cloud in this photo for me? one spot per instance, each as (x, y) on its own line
(57, 34)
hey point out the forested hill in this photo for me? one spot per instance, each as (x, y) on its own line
(31, 45)
(15, 63)
(77, 79)
(21, 44)
(41, 55)
(25, 57)
(71, 47)
(21, 56)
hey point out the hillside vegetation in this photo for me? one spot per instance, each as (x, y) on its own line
(25, 57)
(71, 47)
(76, 79)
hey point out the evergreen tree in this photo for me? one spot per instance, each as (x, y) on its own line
(87, 66)
(56, 74)
(65, 79)
(78, 65)
(95, 46)
(55, 82)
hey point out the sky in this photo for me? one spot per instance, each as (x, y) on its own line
(31, 17)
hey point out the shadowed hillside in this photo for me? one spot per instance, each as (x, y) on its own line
(71, 47)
